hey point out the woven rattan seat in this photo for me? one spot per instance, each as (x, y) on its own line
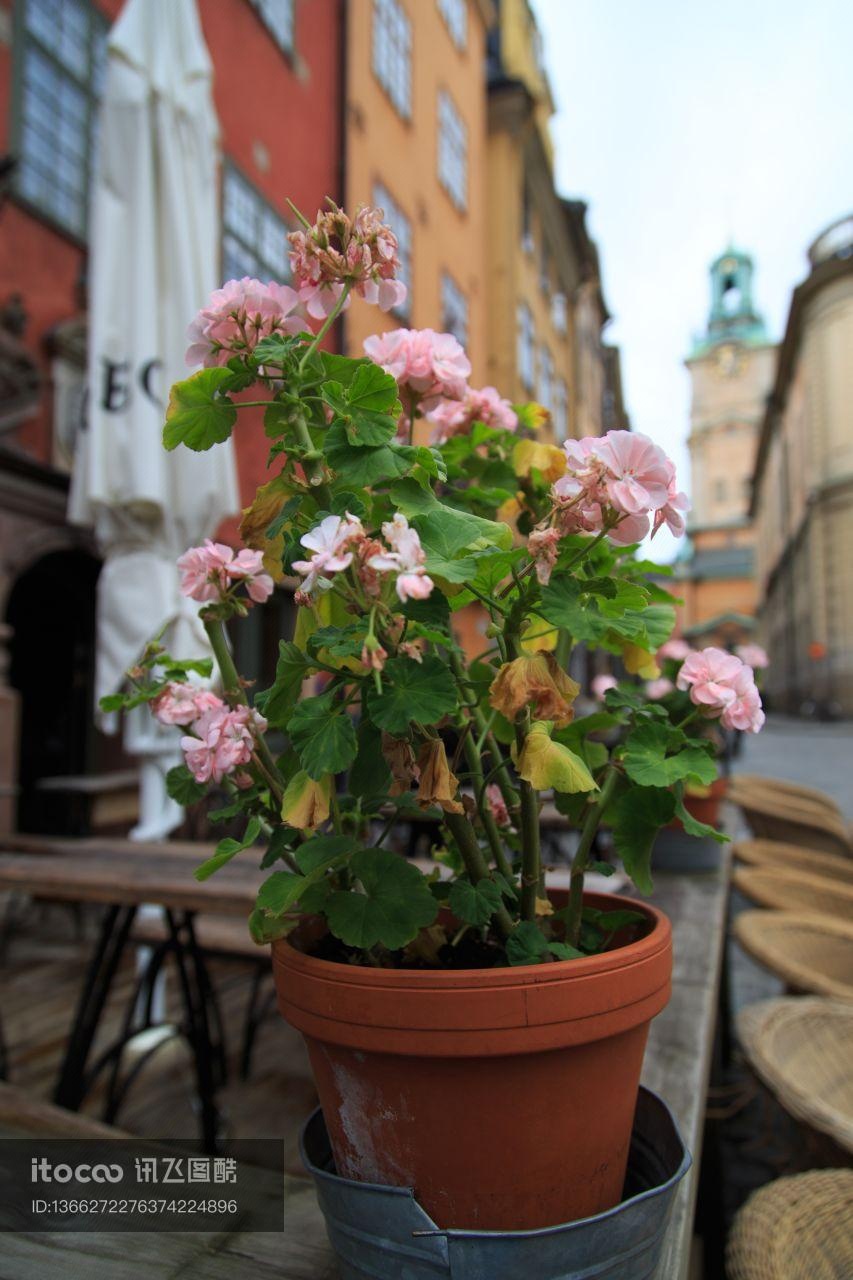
(792, 857)
(811, 953)
(802, 1048)
(793, 791)
(796, 1228)
(788, 890)
(772, 816)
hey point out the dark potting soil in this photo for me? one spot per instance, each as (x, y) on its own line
(469, 953)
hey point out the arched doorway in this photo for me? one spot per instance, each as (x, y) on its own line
(51, 610)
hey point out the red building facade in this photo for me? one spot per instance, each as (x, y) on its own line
(277, 84)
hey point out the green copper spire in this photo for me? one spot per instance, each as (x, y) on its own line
(733, 317)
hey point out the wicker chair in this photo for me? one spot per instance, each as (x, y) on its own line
(788, 890)
(792, 857)
(809, 796)
(774, 817)
(802, 1047)
(811, 953)
(797, 1228)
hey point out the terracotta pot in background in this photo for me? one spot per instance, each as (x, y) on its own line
(503, 1097)
(706, 808)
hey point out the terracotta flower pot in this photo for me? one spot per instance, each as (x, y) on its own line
(504, 1097)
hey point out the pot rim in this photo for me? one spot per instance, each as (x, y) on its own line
(656, 940)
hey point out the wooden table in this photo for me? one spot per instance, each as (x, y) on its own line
(677, 1067)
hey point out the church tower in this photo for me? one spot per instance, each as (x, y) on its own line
(731, 369)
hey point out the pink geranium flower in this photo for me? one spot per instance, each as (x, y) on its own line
(676, 649)
(619, 482)
(339, 251)
(497, 805)
(600, 685)
(745, 711)
(543, 546)
(183, 703)
(208, 573)
(406, 559)
(710, 675)
(431, 365)
(453, 417)
(238, 316)
(656, 689)
(331, 541)
(753, 655)
(224, 741)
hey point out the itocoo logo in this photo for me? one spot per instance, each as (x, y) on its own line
(41, 1170)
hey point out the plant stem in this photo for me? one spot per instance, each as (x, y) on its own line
(503, 778)
(493, 835)
(581, 858)
(531, 858)
(475, 863)
(325, 326)
(233, 689)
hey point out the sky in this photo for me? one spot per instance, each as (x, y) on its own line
(685, 125)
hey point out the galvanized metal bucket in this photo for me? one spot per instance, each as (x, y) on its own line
(382, 1233)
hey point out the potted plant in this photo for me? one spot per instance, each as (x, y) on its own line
(460, 1021)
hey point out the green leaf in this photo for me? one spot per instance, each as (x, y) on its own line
(602, 868)
(564, 951)
(342, 369)
(280, 842)
(526, 944)
(693, 827)
(322, 735)
(445, 531)
(320, 851)
(182, 786)
(369, 776)
(474, 903)
(562, 605)
(395, 904)
(276, 348)
(265, 929)
(422, 692)
(367, 408)
(227, 849)
(198, 415)
(637, 816)
(647, 762)
(365, 466)
(290, 670)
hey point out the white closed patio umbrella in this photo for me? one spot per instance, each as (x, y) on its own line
(154, 256)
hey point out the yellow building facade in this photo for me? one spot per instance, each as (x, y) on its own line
(545, 308)
(415, 144)
(803, 491)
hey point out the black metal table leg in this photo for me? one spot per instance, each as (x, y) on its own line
(197, 997)
(73, 1085)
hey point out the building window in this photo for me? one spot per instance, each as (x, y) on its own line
(59, 82)
(561, 410)
(452, 151)
(544, 385)
(454, 309)
(254, 235)
(455, 14)
(402, 228)
(527, 241)
(392, 53)
(277, 17)
(526, 345)
(560, 313)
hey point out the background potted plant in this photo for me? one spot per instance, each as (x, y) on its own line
(459, 1020)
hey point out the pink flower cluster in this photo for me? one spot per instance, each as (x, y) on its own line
(753, 655)
(224, 741)
(723, 685)
(675, 649)
(431, 365)
(600, 685)
(238, 316)
(621, 482)
(208, 573)
(183, 703)
(337, 541)
(455, 417)
(336, 251)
